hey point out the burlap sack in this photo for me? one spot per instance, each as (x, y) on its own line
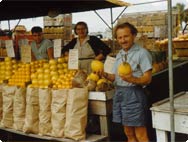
(58, 108)
(45, 111)
(76, 114)
(19, 107)
(31, 124)
(79, 79)
(8, 99)
(90, 84)
(1, 101)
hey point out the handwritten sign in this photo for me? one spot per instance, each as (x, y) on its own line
(157, 31)
(23, 42)
(108, 64)
(57, 48)
(26, 53)
(73, 59)
(9, 48)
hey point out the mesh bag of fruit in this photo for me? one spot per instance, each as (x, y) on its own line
(79, 79)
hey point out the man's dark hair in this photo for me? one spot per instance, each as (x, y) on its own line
(36, 29)
(134, 31)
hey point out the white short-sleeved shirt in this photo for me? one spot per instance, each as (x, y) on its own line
(139, 59)
(41, 52)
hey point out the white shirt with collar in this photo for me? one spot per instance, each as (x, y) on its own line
(139, 59)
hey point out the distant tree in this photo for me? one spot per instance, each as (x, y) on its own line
(186, 16)
(182, 16)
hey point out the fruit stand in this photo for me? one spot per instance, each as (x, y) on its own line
(158, 92)
(46, 76)
(43, 84)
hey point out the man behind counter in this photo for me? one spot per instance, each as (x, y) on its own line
(41, 48)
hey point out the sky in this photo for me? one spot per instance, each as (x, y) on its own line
(95, 24)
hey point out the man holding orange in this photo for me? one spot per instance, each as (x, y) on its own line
(129, 101)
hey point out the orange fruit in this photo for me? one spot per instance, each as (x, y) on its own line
(124, 68)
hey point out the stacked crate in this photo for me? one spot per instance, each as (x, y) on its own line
(59, 27)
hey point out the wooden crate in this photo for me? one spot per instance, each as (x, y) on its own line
(100, 103)
(181, 52)
(180, 44)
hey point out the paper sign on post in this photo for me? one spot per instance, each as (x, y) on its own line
(157, 31)
(26, 53)
(57, 47)
(108, 64)
(73, 59)
(9, 48)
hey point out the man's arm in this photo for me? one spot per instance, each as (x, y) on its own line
(143, 80)
(32, 56)
(108, 76)
(50, 52)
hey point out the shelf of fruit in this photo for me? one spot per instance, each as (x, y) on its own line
(180, 44)
(50, 74)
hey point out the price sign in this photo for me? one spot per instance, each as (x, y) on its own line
(57, 48)
(26, 53)
(9, 48)
(108, 64)
(73, 59)
(157, 31)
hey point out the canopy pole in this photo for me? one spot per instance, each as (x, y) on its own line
(102, 19)
(16, 25)
(170, 59)
(112, 25)
(9, 25)
(119, 15)
(112, 28)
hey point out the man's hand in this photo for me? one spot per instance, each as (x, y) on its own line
(127, 77)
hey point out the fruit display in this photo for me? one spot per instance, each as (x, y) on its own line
(161, 45)
(157, 67)
(95, 82)
(54, 73)
(45, 84)
(93, 76)
(21, 76)
(97, 66)
(22, 72)
(180, 44)
(7, 68)
(36, 64)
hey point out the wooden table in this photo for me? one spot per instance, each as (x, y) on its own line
(89, 137)
(100, 103)
(161, 116)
